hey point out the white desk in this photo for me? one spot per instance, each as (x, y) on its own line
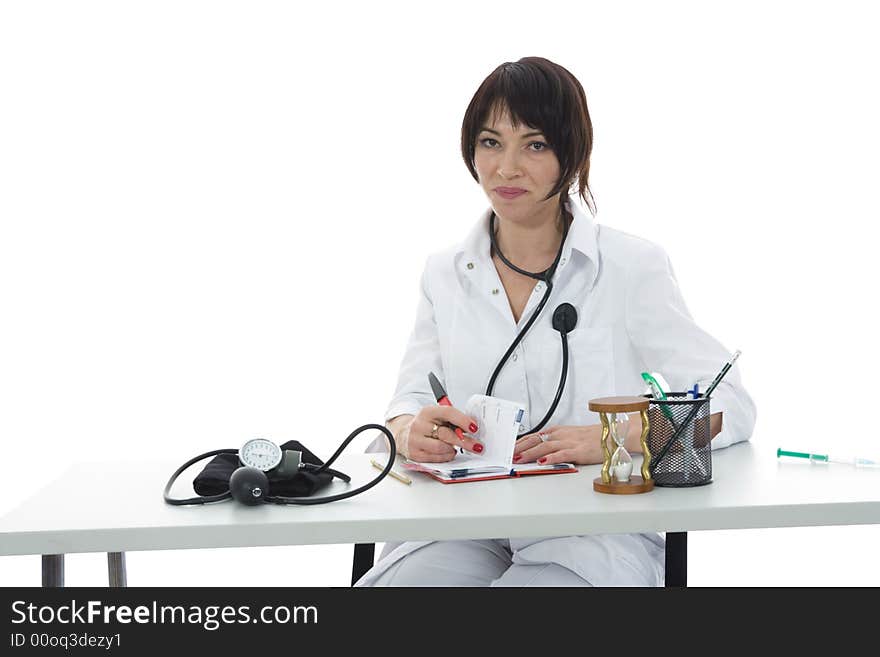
(116, 508)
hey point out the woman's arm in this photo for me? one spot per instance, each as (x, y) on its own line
(633, 443)
(581, 444)
(421, 356)
(668, 340)
(396, 426)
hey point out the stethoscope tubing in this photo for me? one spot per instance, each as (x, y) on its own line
(545, 276)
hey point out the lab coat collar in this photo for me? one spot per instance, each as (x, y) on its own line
(581, 238)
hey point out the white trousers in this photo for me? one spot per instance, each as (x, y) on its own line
(606, 560)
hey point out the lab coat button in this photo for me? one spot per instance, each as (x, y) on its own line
(495, 291)
(470, 265)
(515, 357)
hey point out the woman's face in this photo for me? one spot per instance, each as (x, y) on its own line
(516, 168)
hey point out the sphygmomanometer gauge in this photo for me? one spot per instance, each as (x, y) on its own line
(261, 454)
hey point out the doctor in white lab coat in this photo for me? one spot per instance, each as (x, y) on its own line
(526, 138)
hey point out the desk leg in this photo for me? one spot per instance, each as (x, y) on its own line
(116, 568)
(53, 570)
(676, 559)
(363, 560)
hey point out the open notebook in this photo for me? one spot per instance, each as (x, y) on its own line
(499, 423)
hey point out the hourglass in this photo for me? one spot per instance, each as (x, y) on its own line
(617, 477)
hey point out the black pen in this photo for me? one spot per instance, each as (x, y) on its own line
(723, 371)
(655, 461)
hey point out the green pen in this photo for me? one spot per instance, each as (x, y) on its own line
(658, 393)
(827, 458)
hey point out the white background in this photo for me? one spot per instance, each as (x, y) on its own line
(214, 217)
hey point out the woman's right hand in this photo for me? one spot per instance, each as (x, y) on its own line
(416, 443)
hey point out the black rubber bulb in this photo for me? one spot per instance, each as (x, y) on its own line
(249, 485)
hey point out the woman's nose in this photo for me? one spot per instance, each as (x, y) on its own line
(508, 168)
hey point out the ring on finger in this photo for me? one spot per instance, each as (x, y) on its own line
(434, 429)
(543, 437)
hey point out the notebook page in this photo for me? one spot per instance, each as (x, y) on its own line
(499, 422)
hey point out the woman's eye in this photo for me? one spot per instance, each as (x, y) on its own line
(535, 146)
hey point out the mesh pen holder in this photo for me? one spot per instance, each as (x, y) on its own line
(679, 440)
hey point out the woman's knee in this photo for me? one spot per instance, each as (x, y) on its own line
(545, 574)
(448, 563)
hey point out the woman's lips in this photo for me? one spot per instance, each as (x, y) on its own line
(509, 192)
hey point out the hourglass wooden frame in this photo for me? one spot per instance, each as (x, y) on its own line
(606, 483)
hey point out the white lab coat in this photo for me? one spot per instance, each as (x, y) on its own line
(631, 318)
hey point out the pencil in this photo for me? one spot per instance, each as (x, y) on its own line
(392, 473)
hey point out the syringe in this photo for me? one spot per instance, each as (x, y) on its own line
(828, 458)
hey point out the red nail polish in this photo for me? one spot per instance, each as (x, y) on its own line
(473, 427)
(542, 460)
(478, 448)
(517, 458)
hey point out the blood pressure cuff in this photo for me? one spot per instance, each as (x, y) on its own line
(214, 478)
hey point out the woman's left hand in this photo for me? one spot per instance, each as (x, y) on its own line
(578, 445)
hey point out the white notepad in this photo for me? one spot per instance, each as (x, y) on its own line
(499, 424)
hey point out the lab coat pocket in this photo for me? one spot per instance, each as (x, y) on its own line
(590, 373)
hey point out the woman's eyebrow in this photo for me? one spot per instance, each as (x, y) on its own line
(528, 134)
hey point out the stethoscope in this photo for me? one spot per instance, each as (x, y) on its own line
(564, 320)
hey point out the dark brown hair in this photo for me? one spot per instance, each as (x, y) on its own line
(543, 96)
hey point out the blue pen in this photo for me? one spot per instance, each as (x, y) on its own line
(463, 472)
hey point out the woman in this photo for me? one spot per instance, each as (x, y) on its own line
(526, 139)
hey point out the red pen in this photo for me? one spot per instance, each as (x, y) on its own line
(443, 400)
